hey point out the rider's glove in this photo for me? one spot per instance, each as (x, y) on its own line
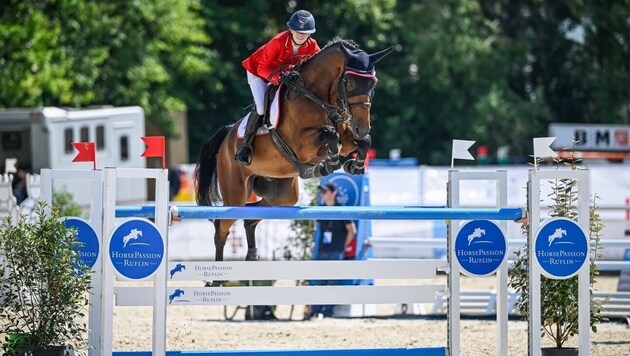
(289, 76)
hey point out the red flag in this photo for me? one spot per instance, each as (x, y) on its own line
(155, 148)
(87, 153)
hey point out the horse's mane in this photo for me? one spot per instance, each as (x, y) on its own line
(336, 41)
(349, 44)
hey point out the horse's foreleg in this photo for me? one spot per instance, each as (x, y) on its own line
(357, 166)
(330, 138)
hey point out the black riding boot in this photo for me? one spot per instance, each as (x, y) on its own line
(244, 153)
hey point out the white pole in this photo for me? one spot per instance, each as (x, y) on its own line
(109, 221)
(584, 298)
(533, 330)
(502, 273)
(453, 314)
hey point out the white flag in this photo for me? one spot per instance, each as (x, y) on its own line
(460, 149)
(542, 147)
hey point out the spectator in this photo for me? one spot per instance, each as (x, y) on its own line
(334, 237)
(19, 183)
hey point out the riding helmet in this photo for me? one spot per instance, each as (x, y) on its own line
(302, 21)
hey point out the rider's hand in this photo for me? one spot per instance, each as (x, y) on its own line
(289, 76)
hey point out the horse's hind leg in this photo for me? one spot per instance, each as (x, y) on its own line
(276, 192)
(221, 231)
(250, 232)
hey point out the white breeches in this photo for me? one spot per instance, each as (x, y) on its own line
(258, 87)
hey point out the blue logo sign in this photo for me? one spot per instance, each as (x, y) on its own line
(561, 248)
(86, 236)
(348, 194)
(480, 248)
(136, 248)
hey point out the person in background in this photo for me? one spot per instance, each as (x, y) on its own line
(264, 66)
(19, 183)
(334, 237)
(173, 183)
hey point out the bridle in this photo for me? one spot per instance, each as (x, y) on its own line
(353, 83)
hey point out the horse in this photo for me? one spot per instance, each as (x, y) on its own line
(325, 106)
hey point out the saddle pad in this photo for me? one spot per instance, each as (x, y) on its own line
(274, 118)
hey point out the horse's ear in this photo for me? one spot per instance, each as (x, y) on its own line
(375, 57)
(345, 50)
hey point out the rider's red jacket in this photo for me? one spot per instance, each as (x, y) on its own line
(273, 54)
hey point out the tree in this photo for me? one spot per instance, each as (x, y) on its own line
(79, 53)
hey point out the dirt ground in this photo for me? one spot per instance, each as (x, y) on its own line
(206, 328)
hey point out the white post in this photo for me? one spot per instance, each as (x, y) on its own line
(502, 273)
(160, 276)
(109, 221)
(454, 317)
(453, 312)
(584, 302)
(584, 295)
(96, 221)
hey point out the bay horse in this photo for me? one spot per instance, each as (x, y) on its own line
(324, 112)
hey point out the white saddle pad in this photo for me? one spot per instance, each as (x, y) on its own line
(274, 118)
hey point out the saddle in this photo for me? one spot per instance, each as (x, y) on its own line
(272, 110)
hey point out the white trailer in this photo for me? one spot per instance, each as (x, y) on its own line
(42, 138)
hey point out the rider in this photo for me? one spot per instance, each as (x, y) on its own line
(264, 66)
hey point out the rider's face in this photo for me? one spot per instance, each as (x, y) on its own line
(299, 37)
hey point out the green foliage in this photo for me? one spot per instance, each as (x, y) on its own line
(43, 286)
(299, 245)
(64, 203)
(559, 297)
(497, 72)
(79, 53)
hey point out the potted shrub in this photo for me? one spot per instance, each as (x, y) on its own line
(559, 298)
(43, 287)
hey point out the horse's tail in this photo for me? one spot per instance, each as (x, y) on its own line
(206, 171)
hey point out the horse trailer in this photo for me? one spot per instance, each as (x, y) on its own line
(42, 138)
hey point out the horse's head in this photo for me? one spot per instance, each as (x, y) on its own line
(356, 86)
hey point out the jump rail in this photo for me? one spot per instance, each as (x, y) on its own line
(326, 213)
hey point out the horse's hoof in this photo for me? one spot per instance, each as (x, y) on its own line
(252, 254)
(322, 171)
(251, 257)
(350, 167)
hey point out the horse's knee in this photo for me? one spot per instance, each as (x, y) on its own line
(330, 137)
(365, 143)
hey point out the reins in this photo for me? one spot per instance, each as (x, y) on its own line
(334, 113)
